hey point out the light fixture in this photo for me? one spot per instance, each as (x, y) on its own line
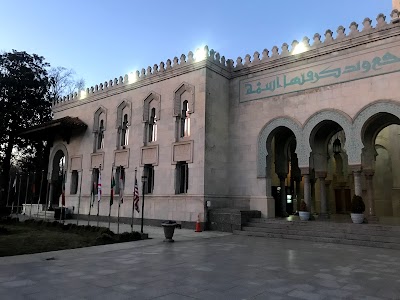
(337, 146)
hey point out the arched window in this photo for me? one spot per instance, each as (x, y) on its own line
(99, 127)
(100, 136)
(185, 119)
(151, 116)
(124, 131)
(183, 110)
(123, 123)
(153, 126)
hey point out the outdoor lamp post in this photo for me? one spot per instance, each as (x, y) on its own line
(144, 180)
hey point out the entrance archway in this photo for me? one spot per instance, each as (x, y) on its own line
(58, 164)
(277, 162)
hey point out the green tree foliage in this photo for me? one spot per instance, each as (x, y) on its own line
(24, 102)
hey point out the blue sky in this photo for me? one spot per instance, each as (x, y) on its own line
(102, 40)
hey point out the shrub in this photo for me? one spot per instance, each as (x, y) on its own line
(357, 205)
(105, 239)
(303, 206)
(102, 230)
(4, 231)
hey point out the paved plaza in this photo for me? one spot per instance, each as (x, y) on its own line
(207, 265)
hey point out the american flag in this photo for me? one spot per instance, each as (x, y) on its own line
(99, 187)
(136, 196)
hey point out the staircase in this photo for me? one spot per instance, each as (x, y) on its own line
(371, 235)
(49, 215)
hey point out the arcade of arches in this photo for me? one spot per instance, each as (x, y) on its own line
(331, 157)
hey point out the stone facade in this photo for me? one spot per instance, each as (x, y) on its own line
(268, 120)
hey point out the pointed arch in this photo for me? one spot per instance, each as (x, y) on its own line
(333, 115)
(184, 92)
(265, 136)
(148, 103)
(126, 106)
(97, 114)
(365, 117)
(54, 151)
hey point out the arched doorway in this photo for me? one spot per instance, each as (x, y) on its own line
(327, 134)
(278, 164)
(380, 160)
(283, 169)
(57, 174)
(323, 138)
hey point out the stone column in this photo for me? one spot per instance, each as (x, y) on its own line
(307, 190)
(268, 183)
(298, 199)
(324, 203)
(343, 198)
(51, 192)
(369, 175)
(282, 178)
(357, 183)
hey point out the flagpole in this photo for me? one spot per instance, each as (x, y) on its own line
(90, 201)
(19, 192)
(133, 202)
(47, 199)
(119, 205)
(99, 190)
(26, 191)
(40, 193)
(62, 188)
(111, 196)
(79, 198)
(33, 194)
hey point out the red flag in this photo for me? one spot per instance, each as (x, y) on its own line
(136, 196)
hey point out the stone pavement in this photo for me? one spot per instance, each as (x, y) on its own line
(195, 267)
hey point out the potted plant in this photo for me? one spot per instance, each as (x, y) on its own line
(357, 209)
(169, 229)
(303, 212)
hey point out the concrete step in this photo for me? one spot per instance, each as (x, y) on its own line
(323, 225)
(313, 226)
(319, 239)
(49, 214)
(362, 236)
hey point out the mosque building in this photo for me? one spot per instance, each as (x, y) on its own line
(316, 120)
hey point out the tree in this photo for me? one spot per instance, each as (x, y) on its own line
(24, 101)
(63, 82)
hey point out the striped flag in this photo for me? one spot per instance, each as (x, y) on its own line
(112, 189)
(136, 196)
(121, 186)
(99, 187)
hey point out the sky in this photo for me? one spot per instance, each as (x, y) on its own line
(101, 40)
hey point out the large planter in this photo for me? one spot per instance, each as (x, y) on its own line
(304, 215)
(357, 218)
(169, 229)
